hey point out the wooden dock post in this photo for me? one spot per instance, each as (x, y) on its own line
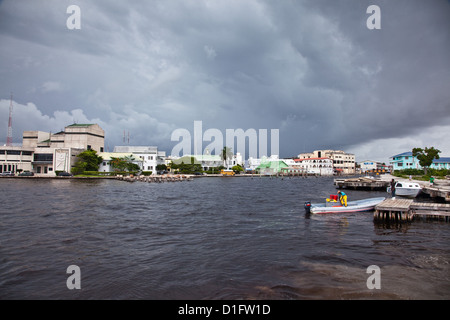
(393, 210)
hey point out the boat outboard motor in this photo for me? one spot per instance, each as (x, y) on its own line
(308, 207)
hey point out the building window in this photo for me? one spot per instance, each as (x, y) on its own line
(48, 157)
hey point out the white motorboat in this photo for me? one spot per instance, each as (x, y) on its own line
(352, 206)
(407, 189)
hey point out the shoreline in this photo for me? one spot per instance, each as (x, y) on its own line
(174, 175)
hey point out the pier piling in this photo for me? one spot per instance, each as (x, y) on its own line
(406, 210)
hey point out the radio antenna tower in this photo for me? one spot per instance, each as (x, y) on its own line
(9, 136)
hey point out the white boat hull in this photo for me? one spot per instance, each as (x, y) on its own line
(407, 189)
(405, 192)
(352, 206)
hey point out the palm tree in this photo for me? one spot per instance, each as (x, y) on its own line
(225, 155)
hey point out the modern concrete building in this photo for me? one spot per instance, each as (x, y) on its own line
(44, 153)
(16, 159)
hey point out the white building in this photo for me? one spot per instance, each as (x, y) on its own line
(317, 166)
(367, 165)
(343, 163)
(150, 156)
(106, 166)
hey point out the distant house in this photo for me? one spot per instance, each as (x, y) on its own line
(406, 160)
(441, 163)
(271, 167)
(150, 156)
(373, 166)
(105, 165)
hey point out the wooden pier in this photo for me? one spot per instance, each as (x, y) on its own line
(361, 183)
(405, 210)
(438, 190)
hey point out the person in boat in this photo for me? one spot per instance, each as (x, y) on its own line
(342, 198)
(393, 188)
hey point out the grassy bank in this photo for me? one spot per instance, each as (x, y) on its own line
(419, 174)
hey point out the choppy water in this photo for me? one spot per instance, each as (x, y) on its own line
(211, 238)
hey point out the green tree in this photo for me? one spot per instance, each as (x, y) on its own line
(88, 160)
(426, 156)
(186, 164)
(161, 167)
(124, 164)
(237, 168)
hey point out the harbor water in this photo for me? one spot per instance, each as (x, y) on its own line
(210, 238)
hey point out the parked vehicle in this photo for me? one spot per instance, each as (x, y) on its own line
(7, 173)
(26, 174)
(65, 174)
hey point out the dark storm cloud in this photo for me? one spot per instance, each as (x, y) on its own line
(309, 68)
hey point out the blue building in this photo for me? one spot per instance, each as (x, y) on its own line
(406, 160)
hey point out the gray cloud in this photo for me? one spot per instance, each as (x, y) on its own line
(310, 68)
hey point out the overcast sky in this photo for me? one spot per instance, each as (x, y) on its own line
(311, 69)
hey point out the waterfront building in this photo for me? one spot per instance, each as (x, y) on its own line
(441, 163)
(406, 160)
(107, 157)
(206, 161)
(367, 165)
(44, 153)
(253, 163)
(149, 155)
(343, 163)
(271, 167)
(316, 166)
(15, 159)
(370, 166)
(210, 161)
